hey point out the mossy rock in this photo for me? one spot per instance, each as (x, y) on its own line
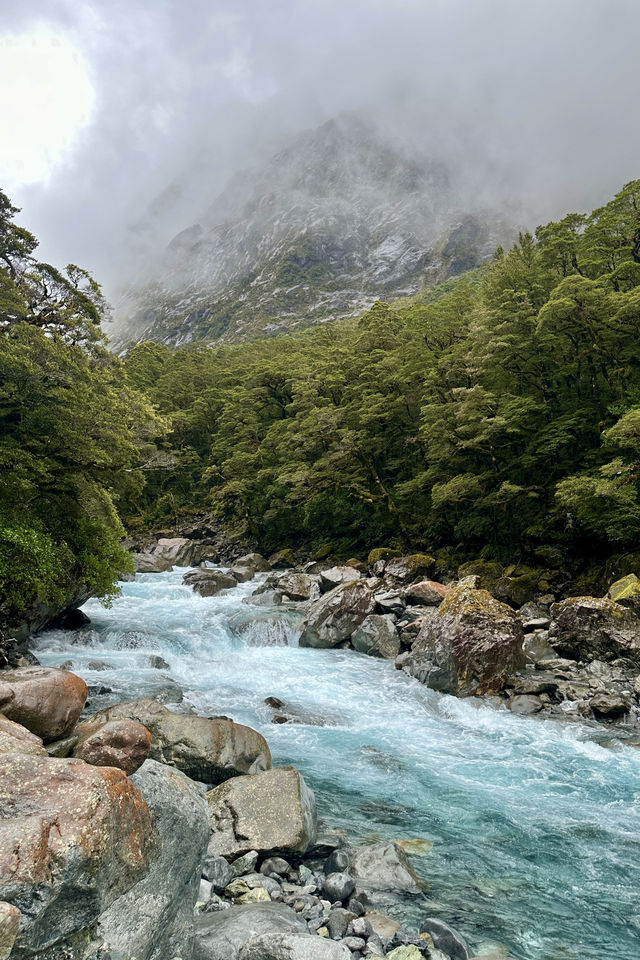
(357, 564)
(323, 551)
(282, 559)
(487, 571)
(520, 584)
(382, 553)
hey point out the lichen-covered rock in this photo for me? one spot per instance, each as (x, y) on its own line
(208, 583)
(382, 553)
(154, 919)
(335, 617)
(626, 592)
(594, 628)
(209, 750)
(470, 647)
(221, 936)
(427, 592)
(17, 739)
(416, 566)
(46, 701)
(271, 811)
(384, 866)
(377, 636)
(116, 743)
(72, 838)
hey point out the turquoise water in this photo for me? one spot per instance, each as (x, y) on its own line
(535, 824)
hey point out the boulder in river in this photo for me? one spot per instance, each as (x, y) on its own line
(334, 576)
(73, 837)
(384, 866)
(626, 592)
(271, 811)
(416, 566)
(334, 618)
(594, 628)
(470, 647)
(293, 946)
(209, 750)
(208, 583)
(115, 743)
(298, 586)
(178, 551)
(154, 919)
(445, 938)
(221, 936)
(46, 701)
(254, 560)
(377, 636)
(151, 563)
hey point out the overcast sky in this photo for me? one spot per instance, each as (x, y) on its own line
(108, 103)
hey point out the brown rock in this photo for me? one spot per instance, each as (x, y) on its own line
(47, 702)
(72, 838)
(428, 592)
(470, 647)
(17, 739)
(117, 743)
(206, 749)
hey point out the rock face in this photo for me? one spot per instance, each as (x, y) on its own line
(17, 739)
(177, 551)
(416, 566)
(590, 628)
(208, 750)
(384, 866)
(151, 563)
(221, 936)
(117, 743)
(72, 838)
(154, 919)
(335, 617)
(298, 586)
(254, 560)
(271, 811)
(377, 636)
(470, 647)
(334, 576)
(427, 592)
(47, 702)
(208, 583)
(9, 926)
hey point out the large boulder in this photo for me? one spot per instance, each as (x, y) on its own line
(154, 919)
(334, 576)
(594, 628)
(46, 701)
(271, 811)
(221, 936)
(206, 749)
(626, 592)
(426, 593)
(293, 946)
(17, 739)
(178, 551)
(417, 566)
(384, 866)
(470, 647)
(151, 563)
(115, 743)
(298, 586)
(254, 560)
(208, 583)
(377, 636)
(73, 838)
(335, 617)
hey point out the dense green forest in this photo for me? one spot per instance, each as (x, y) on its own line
(497, 416)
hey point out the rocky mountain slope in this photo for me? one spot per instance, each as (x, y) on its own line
(337, 219)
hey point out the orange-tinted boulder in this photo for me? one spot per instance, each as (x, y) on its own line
(17, 739)
(73, 837)
(46, 701)
(117, 743)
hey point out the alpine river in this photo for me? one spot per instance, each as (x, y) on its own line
(535, 824)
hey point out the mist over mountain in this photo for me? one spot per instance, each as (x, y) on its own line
(339, 217)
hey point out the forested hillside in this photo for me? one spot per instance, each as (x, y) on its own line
(498, 416)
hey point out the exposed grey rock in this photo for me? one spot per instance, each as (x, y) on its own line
(335, 617)
(525, 705)
(154, 919)
(416, 566)
(609, 705)
(298, 586)
(377, 636)
(221, 936)
(151, 563)
(254, 560)
(271, 811)
(178, 551)
(588, 628)
(334, 576)
(217, 870)
(277, 865)
(338, 886)
(293, 946)
(444, 938)
(158, 663)
(242, 574)
(244, 864)
(338, 921)
(208, 583)
(384, 866)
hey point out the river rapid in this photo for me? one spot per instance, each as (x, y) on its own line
(535, 823)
